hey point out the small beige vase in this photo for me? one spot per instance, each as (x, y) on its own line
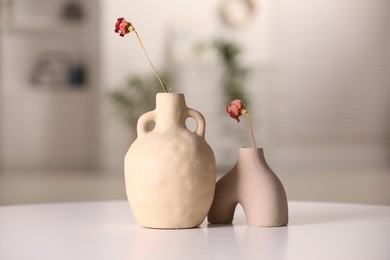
(255, 186)
(170, 171)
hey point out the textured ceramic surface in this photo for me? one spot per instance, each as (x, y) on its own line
(255, 186)
(170, 171)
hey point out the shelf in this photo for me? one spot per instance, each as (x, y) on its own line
(40, 16)
(42, 26)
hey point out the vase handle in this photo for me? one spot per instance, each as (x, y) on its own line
(200, 122)
(143, 121)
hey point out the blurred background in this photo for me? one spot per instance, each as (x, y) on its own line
(315, 76)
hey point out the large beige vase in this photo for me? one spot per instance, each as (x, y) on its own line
(256, 187)
(170, 171)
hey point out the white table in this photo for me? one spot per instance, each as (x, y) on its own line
(106, 230)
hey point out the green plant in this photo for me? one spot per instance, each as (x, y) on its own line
(137, 96)
(234, 73)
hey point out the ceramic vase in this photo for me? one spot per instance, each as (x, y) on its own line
(170, 171)
(255, 186)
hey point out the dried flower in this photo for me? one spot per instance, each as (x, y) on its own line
(235, 110)
(124, 27)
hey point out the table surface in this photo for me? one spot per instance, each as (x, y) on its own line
(107, 230)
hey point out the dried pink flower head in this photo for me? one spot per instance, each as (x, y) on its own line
(123, 27)
(236, 109)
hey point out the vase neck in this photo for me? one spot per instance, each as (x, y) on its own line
(251, 158)
(171, 111)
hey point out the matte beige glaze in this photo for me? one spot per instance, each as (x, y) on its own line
(255, 186)
(170, 171)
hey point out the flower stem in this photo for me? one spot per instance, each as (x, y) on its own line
(150, 62)
(251, 130)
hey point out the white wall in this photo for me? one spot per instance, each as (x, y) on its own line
(332, 102)
(320, 87)
(320, 83)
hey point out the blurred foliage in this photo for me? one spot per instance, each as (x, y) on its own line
(234, 73)
(138, 96)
